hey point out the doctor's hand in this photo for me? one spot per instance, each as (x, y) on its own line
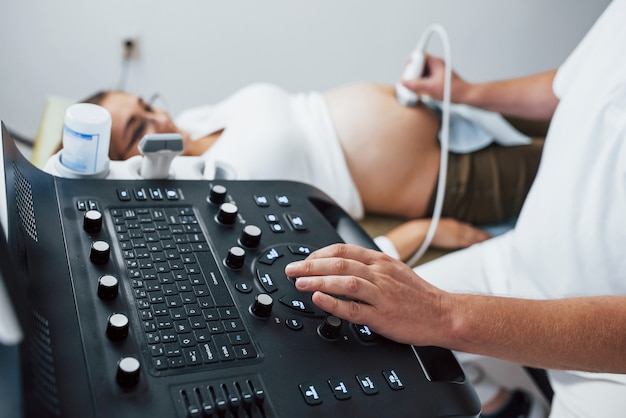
(382, 293)
(433, 79)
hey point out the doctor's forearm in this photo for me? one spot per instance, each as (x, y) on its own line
(586, 334)
(529, 97)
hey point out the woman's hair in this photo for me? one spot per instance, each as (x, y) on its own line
(96, 98)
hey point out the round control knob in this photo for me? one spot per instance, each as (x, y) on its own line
(227, 214)
(235, 258)
(250, 236)
(128, 371)
(117, 327)
(262, 306)
(330, 328)
(100, 252)
(217, 195)
(108, 287)
(92, 221)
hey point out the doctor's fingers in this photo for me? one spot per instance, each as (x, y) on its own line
(349, 310)
(433, 65)
(354, 264)
(350, 252)
(350, 286)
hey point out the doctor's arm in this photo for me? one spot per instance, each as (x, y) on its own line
(529, 97)
(587, 333)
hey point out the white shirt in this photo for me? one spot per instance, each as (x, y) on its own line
(270, 134)
(570, 238)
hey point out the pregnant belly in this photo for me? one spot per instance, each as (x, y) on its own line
(391, 150)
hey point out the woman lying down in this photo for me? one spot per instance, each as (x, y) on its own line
(357, 144)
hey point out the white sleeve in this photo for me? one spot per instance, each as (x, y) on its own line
(386, 246)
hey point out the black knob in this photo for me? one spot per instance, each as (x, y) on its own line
(100, 252)
(107, 287)
(330, 328)
(262, 306)
(128, 371)
(92, 221)
(117, 327)
(235, 258)
(250, 236)
(227, 214)
(217, 195)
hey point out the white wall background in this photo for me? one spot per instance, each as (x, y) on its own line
(198, 51)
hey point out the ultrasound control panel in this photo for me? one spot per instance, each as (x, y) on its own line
(169, 299)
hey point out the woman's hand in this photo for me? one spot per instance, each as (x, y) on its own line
(382, 293)
(451, 234)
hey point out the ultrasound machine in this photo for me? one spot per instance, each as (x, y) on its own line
(168, 298)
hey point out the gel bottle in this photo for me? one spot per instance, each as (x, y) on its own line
(86, 140)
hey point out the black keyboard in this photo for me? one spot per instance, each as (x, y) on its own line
(152, 298)
(187, 325)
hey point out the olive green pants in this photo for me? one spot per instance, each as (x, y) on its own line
(489, 186)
